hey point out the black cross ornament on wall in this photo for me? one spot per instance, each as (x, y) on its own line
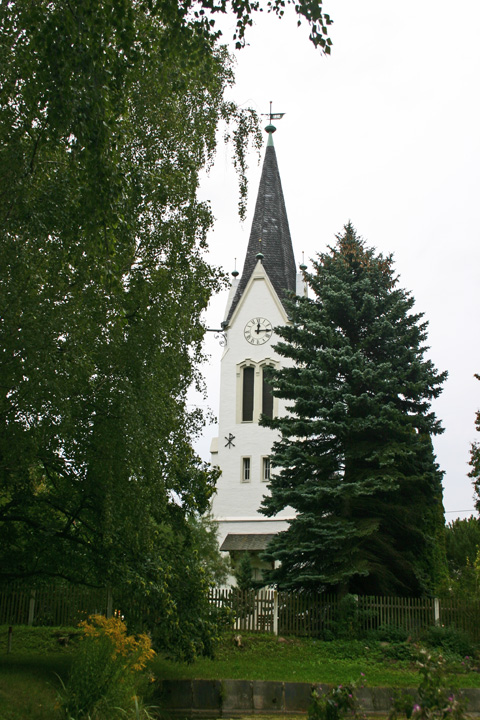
(229, 439)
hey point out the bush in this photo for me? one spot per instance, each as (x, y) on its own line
(105, 669)
(437, 700)
(403, 651)
(390, 633)
(335, 704)
(403, 704)
(346, 624)
(29, 639)
(449, 640)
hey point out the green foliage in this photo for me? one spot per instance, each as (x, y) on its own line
(355, 458)
(243, 594)
(475, 460)
(215, 564)
(29, 686)
(244, 573)
(404, 652)
(184, 622)
(402, 704)
(462, 542)
(449, 640)
(390, 633)
(102, 681)
(436, 698)
(265, 657)
(346, 623)
(335, 704)
(97, 684)
(109, 112)
(28, 640)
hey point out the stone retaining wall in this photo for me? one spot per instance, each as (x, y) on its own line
(227, 698)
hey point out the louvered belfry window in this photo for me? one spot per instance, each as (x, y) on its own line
(267, 396)
(248, 388)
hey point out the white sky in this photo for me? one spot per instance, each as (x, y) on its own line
(385, 133)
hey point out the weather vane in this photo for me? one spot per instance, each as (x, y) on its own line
(273, 116)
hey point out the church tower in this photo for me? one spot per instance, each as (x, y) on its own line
(254, 308)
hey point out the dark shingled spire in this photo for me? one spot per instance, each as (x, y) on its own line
(270, 234)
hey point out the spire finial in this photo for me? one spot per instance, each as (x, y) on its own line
(270, 129)
(260, 255)
(303, 266)
(235, 271)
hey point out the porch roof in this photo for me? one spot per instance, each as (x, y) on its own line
(246, 541)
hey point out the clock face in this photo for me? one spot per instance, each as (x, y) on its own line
(258, 331)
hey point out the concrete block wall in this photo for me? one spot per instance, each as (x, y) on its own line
(228, 698)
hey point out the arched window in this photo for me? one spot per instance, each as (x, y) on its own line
(267, 396)
(248, 393)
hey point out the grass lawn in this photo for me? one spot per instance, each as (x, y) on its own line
(28, 686)
(264, 657)
(29, 675)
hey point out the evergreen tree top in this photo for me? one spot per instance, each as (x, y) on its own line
(352, 250)
(355, 458)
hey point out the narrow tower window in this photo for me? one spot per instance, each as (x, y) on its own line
(267, 396)
(247, 399)
(246, 469)
(266, 469)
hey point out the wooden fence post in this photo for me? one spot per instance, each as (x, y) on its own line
(31, 608)
(275, 612)
(436, 610)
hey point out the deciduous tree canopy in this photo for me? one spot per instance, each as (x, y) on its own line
(108, 112)
(354, 458)
(463, 557)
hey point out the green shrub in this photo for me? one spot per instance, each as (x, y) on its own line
(27, 639)
(104, 673)
(402, 651)
(437, 699)
(346, 623)
(403, 704)
(351, 650)
(449, 640)
(335, 704)
(390, 633)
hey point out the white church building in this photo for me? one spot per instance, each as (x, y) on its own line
(254, 308)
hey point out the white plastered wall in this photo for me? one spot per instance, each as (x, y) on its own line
(236, 503)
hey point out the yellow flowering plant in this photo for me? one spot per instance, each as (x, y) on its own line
(137, 649)
(105, 671)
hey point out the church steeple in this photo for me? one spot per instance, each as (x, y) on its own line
(254, 309)
(270, 233)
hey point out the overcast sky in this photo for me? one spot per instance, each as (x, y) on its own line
(385, 133)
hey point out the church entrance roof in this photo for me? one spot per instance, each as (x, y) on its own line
(246, 541)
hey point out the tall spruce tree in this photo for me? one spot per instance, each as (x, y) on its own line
(355, 458)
